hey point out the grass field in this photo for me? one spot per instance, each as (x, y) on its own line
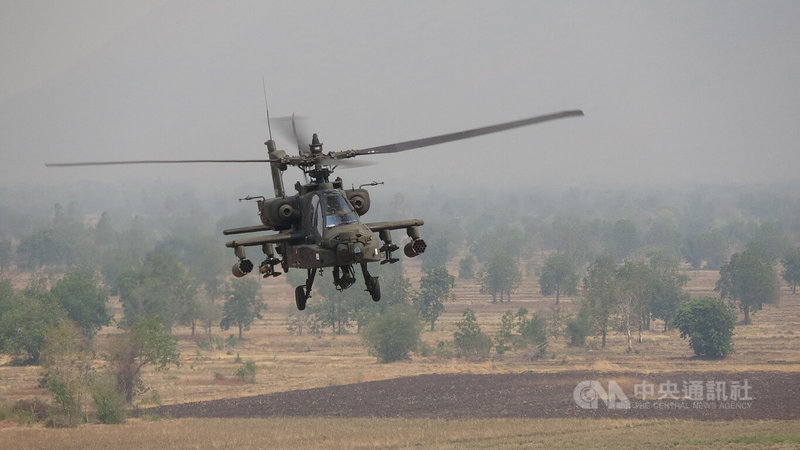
(404, 433)
(286, 362)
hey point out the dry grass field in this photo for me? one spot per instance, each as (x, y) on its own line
(286, 362)
(311, 433)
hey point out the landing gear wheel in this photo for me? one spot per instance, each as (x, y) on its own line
(374, 288)
(300, 297)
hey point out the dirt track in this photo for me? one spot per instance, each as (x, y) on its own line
(772, 395)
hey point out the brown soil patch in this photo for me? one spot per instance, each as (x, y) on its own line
(528, 395)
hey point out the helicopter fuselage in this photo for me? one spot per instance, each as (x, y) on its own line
(333, 233)
(321, 227)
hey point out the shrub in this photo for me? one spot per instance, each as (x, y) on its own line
(31, 411)
(425, 349)
(247, 372)
(519, 331)
(231, 341)
(532, 333)
(393, 334)
(212, 343)
(146, 342)
(468, 338)
(109, 402)
(67, 402)
(578, 328)
(66, 360)
(708, 323)
(444, 349)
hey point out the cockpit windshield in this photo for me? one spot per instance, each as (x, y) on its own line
(337, 210)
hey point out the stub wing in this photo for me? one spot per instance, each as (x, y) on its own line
(394, 225)
(261, 240)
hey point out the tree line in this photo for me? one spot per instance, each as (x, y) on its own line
(625, 271)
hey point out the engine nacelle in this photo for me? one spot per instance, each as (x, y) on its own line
(242, 268)
(278, 213)
(359, 198)
(415, 247)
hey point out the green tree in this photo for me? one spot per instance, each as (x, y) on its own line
(532, 332)
(45, 246)
(24, 324)
(791, 268)
(502, 237)
(7, 295)
(160, 286)
(84, 298)
(709, 324)
(573, 238)
(104, 233)
(66, 359)
(601, 293)
(129, 249)
(247, 372)
(505, 335)
(145, 342)
(665, 232)
(437, 253)
(209, 314)
(710, 247)
(634, 283)
(395, 287)
(578, 327)
(768, 242)
(519, 331)
(396, 290)
(109, 403)
(435, 288)
(243, 304)
(468, 338)
(202, 255)
(665, 292)
(748, 281)
(623, 237)
(336, 309)
(393, 334)
(558, 276)
(500, 276)
(466, 267)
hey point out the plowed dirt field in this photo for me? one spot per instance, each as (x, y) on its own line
(766, 395)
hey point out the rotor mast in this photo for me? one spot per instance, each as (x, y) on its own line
(319, 174)
(277, 168)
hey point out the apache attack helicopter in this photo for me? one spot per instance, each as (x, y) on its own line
(320, 226)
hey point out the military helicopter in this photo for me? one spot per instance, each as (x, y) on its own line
(321, 225)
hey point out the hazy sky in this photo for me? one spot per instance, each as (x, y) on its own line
(673, 91)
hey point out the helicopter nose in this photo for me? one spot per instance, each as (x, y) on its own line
(350, 252)
(357, 251)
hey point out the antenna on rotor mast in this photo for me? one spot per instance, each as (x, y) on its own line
(266, 104)
(276, 168)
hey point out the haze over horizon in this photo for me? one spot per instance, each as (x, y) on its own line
(673, 92)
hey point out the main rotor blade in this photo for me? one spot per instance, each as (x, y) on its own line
(296, 129)
(181, 161)
(346, 163)
(417, 143)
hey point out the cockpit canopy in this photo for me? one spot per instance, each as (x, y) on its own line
(331, 209)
